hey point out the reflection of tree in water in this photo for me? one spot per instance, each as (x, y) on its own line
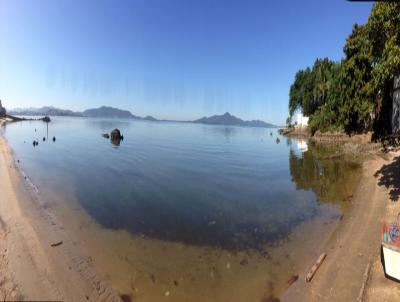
(330, 177)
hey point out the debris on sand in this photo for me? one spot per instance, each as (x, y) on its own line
(56, 244)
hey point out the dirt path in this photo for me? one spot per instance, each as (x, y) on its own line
(30, 267)
(381, 288)
(354, 245)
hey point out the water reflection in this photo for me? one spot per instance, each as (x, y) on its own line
(302, 145)
(107, 124)
(331, 177)
(228, 132)
(228, 187)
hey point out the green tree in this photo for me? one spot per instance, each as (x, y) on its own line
(355, 94)
(384, 36)
(356, 101)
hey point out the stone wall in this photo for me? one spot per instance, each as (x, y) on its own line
(396, 106)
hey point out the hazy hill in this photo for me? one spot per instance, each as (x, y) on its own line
(111, 112)
(47, 110)
(103, 111)
(231, 120)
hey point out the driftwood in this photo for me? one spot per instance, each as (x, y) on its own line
(315, 267)
(56, 244)
(360, 297)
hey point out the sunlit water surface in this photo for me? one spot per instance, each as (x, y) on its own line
(188, 211)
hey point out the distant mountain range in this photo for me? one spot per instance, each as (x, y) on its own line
(231, 120)
(47, 110)
(103, 111)
(111, 112)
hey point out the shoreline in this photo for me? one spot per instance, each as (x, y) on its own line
(39, 258)
(33, 269)
(352, 247)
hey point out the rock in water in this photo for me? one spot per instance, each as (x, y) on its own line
(115, 134)
(106, 135)
(116, 137)
(54, 138)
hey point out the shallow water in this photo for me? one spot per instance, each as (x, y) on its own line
(188, 206)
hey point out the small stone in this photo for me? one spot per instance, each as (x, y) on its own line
(244, 262)
(167, 293)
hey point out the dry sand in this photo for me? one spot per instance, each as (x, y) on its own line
(30, 267)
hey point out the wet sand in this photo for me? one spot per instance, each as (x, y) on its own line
(147, 269)
(30, 267)
(351, 248)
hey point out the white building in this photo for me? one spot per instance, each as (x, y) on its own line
(302, 121)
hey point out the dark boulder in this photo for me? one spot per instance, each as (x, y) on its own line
(116, 137)
(116, 134)
(106, 135)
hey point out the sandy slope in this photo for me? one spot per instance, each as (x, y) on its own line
(352, 247)
(30, 268)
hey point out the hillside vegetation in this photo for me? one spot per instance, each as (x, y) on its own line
(354, 95)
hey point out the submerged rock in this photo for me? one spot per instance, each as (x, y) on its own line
(105, 135)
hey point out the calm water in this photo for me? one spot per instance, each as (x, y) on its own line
(229, 188)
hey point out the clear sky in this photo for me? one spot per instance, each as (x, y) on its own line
(179, 59)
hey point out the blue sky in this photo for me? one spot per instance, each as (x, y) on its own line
(176, 59)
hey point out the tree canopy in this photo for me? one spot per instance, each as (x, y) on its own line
(354, 94)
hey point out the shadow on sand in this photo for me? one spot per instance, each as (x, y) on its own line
(389, 176)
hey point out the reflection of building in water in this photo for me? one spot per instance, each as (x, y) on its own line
(298, 146)
(302, 145)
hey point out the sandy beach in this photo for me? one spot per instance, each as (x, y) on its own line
(354, 247)
(42, 259)
(39, 259)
